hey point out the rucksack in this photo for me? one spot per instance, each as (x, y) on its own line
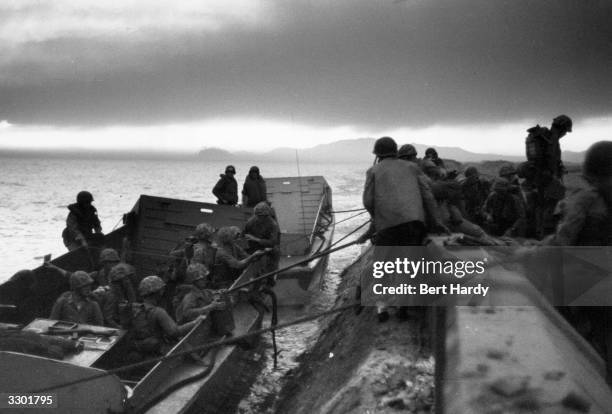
(536, 144)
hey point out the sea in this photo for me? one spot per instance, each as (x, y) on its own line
(35, 193)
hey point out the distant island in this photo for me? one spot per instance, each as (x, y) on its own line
(358, 150)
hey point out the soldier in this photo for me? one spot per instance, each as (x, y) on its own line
(587, 221)
(262, 232)
(153, 330)
(408, 152)
(254, 188)
(203, 249)
(77, 305)
(475, 192)
(433, 165)
(546, 171)
(230, 258)
(82, 223)
(226, 189)
(108, 259)
(399, 200)
(505, 215)
(120, 293)
(193, 298)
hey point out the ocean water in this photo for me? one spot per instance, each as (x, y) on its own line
(34, 194)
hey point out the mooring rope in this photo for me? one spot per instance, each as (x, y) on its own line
(351, 233)
(347, 211)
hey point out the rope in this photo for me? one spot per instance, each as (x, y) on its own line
(216, 344)
(353, 232)
(347, 211)
(351, 217)
(300, 263)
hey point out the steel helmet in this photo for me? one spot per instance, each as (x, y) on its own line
(385, 147)
(506, 170)
(84, 197)
(120, 271)
(254, 169)
(431, 152)
(150, 285)
(407, 151)
(80, 279)
(563, 121)
(204, 231)
(598, 160)
(262, 209)
(109, 255)
(195, 271)
(230, 169)
(471, 172)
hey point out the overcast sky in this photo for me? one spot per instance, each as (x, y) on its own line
(258, 74)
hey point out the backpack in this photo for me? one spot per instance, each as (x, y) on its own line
(536, 144)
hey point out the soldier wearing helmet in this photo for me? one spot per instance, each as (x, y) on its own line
(505, 215)
(399, 200)
(475, 191)
(254, 189)
(262, 232)
(433, 165)
(82, 224)
(408, 152)
(120, 293)
(153, 330)
(544, 188)
(230, 258)
(108, 259)
(226, 189)
(77, 305)
(193, 299)
(203, 249)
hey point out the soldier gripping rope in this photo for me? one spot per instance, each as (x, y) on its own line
(82, 224)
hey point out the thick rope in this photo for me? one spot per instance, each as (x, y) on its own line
(350, 217)
(347, 211)
(351, 233)
(201, 348)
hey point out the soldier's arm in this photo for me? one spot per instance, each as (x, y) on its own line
(96, 314)
(170, 327)
(368, 192)
(56, 311)
(73, 225)
(218, 190)
(571, 224)
(429, 202)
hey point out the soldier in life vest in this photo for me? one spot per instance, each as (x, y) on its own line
(545, 180)
(475, 192)
(262, 232)
(230, 258)
(152, 329)
(77, 305)
(120, 294)
(226, 189)
(193, 299)
(254, 189)
(82, 223)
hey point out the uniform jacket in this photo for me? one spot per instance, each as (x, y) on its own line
(397, 192)
(255, 190)
(226, 190)
(81, 223)
(68, 308)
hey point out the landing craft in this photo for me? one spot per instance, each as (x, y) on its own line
(152, 228)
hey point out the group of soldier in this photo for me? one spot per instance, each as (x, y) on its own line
(200, 271)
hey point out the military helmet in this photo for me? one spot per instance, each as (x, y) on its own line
(471, 171)
(150, 285)
(196, 271)
(120, 271)
(80, 279)
(564, 122)
(407, 151)
(262, 209)
(598, 160)
(109, 255)
(507, 170)
(203, 231)
(226, 234)
(254, 169)
(431, 152)
(385, 147)
(84, 197)
(230, 169)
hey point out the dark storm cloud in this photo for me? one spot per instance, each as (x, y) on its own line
(353, 62)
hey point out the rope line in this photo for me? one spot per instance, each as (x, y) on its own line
(351, 217)
(347, 211)
(201, 348)
(351, 233)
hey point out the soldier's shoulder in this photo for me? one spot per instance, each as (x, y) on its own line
(582, 199)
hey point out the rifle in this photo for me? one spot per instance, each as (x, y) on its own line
(81, 331)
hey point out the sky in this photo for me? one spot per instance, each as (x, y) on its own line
(258, 74)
